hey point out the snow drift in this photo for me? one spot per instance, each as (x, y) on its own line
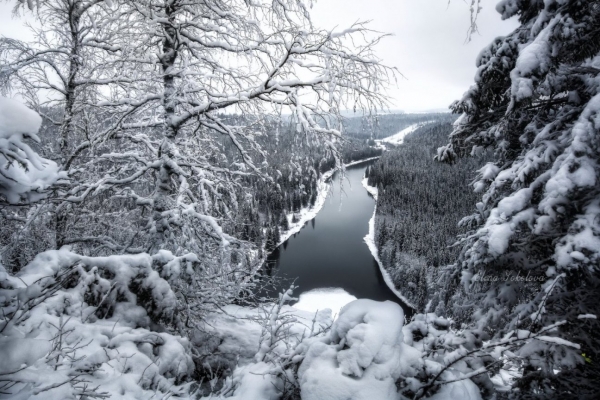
(364, 357)
(24, 175)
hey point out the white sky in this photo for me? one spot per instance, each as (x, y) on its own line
(428, 43)
(428, 46)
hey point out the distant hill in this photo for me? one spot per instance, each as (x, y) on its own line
(385, 125)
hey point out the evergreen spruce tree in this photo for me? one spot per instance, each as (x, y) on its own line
(536, 104)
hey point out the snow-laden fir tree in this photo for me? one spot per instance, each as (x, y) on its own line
(535, 104)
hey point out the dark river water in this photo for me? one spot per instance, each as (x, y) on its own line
(330, 251)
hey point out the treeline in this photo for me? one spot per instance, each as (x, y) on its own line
(296, 167)
(420, 204)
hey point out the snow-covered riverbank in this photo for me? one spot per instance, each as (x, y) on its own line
(308, 213)
(327, 297)
(370, 241)
(319, 299)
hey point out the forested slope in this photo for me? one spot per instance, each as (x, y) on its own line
(419, 206)
(384, 125)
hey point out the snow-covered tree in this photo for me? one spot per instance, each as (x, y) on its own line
(535, 104)
(64, 65)
(147, 91)
(191, 63)
(60, 73)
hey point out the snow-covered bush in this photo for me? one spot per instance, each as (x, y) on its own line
(367, 354)
(90, 327)
(370, 354)
(255, 352)
(363, 356)
(125, 327)
(24, 175)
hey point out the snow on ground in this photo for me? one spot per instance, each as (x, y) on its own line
(398, 138)
(360, 161)
(317, 299)
(370, 241)
(464, 389)
(235, 334)
(239, 328)
(373, 191)
(308, 213)
(252, 382)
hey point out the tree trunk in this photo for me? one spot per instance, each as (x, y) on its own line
(163, 200)
(68, 123)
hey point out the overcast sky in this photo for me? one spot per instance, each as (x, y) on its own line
(428, 44)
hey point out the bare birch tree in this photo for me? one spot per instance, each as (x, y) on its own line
(161, 108)
(191, 66)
